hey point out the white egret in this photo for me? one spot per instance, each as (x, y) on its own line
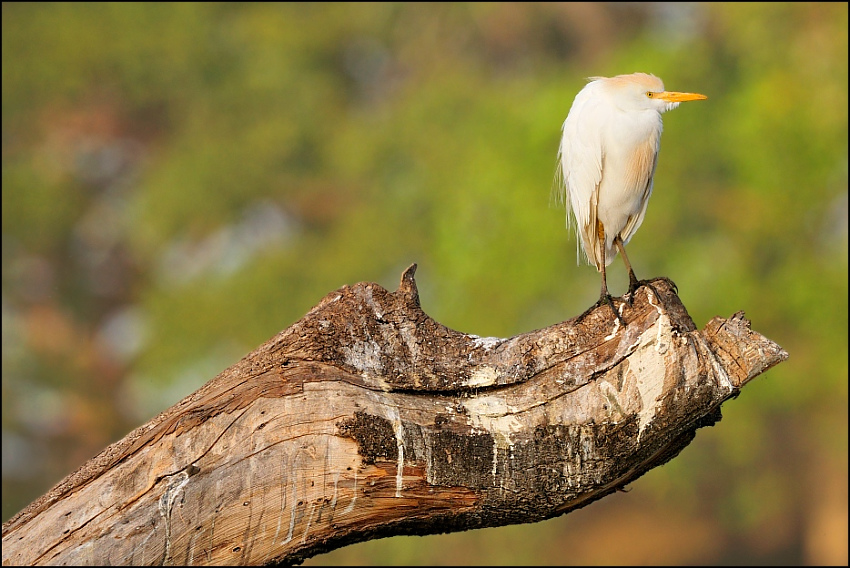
(609, 149)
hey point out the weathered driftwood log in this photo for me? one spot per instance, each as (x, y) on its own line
(367, 418)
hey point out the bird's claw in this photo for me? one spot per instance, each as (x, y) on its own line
(606, 298)
(634, 285)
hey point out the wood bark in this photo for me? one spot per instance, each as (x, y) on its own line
(368, 419)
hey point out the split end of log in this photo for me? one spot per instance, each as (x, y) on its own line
(738, 346)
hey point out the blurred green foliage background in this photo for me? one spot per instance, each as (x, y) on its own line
(182, 181)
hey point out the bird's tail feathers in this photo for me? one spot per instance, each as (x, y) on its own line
(559, 197)
(558, 191)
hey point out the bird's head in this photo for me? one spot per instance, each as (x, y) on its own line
(642, 91)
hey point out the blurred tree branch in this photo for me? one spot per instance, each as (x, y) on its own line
(367, 419)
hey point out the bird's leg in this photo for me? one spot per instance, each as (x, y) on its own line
(605, 296)
(634, 283)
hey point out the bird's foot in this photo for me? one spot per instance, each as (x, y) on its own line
(635, 284)
(669, 283)
(606, 298)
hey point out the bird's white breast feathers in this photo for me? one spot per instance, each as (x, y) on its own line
(607, 158)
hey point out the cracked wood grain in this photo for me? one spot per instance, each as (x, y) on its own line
(367, 418)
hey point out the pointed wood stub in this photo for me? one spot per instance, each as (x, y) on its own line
(367, 418)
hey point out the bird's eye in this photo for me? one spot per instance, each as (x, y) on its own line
(649, 94)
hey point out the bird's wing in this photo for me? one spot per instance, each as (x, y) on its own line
(642, 176)
(581, 156)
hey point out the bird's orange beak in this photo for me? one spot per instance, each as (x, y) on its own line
(674, 97)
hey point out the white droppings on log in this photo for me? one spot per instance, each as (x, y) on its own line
(482, 376)
(336, 484)
(365, 356)
(487, 343)
(307, 525)
(398, 430)
(429, 459)
(613, 333)
(166, 502)
(664, 327)
(501, 441)
(495, 461)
